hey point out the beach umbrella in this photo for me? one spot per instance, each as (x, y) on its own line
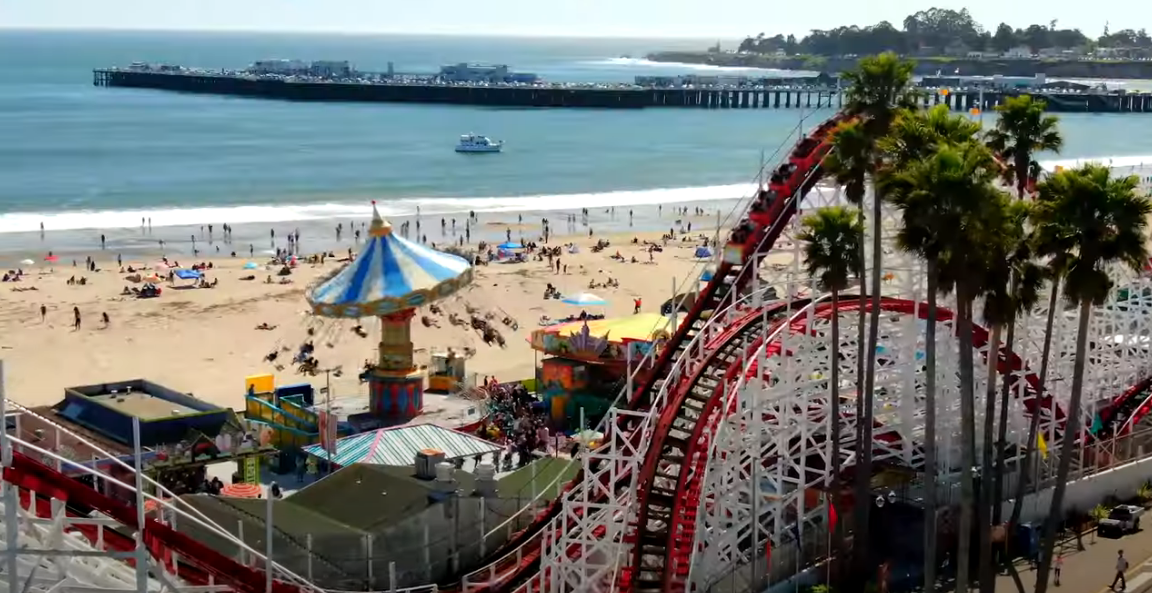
(584, 299)
(510, 245)
(242, 490)
(251, 265)
(26, 262)
(188, 274)
(707, 275)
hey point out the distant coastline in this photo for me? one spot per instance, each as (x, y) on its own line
(1098, 69)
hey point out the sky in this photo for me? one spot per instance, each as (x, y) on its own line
(577, 18)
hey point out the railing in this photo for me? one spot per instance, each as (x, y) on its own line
(165, 501)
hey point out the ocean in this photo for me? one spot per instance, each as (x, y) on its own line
(97, 160)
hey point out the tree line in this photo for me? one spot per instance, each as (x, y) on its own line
(939, 29)
(997, 253)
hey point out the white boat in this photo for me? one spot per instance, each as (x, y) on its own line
(474, 143)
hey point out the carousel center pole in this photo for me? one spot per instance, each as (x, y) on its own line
(396, 386)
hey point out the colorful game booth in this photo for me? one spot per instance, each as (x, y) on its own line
(587, 360)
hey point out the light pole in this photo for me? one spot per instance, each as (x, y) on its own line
(326, 430)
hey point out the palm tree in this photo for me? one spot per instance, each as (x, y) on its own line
(876, 92)
(1106, 220)
(1022, 130)
(850, 163)
(832, 237)
(952, 212)
(1011, 286)
(915, 135)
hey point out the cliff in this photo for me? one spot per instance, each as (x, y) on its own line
(924, 66)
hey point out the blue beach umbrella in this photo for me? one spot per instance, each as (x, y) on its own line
(188, 274)
(584, 299)
(510, 245)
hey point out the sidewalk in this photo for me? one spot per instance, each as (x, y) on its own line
(1092, 570)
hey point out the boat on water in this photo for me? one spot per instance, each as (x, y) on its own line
(474, 143)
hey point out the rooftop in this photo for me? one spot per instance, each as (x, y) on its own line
(143, 405)
(398, 446)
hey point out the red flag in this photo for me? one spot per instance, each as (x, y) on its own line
(768, 551)
(832, 517)
(328, 434)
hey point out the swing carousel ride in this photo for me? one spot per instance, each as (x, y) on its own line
(389, 280)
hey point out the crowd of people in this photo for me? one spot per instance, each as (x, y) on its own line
(516, 420)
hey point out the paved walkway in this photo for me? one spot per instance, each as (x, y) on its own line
(1092, 570)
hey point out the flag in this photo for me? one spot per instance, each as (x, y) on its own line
(833, 518)
(1097, 424)
(1042, 445)
(768, 551)
(327, 426)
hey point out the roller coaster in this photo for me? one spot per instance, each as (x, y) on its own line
(716, 468)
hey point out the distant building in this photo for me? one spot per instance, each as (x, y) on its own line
(997, 82)
(1020, 52)
(331, 69)
(484, 73)
(280, 67)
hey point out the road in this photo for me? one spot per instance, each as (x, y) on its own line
(1091, 570)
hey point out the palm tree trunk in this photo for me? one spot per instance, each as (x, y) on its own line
(1068, 449)
(861, 484)
(1024, 468)
(1002, 427)
(1022, 170)
(834, 394)
(1034, 422)
(987, 577)
(967, 436)
(930, 435)
(864, 453)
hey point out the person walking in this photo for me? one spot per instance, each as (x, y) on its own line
(1121, 568)
(1058, 565)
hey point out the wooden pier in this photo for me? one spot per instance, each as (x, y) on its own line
(577, 96)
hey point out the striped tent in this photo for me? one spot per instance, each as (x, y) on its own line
(398, 446)
(390, 274)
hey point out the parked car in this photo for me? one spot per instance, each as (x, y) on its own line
(1121, 519)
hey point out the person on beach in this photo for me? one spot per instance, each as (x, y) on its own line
(101, 241)
(1121, 568)
(43, 313)
(76, 318)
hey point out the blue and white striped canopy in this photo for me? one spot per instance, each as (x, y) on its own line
(390, 274)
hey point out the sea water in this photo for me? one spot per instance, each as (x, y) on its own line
(85, 161)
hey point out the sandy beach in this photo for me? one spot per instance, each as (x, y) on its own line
(204, 340)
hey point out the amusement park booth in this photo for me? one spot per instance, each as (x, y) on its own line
(586, 362)
(179, 434)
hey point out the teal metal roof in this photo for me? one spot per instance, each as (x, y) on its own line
(398, 446)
